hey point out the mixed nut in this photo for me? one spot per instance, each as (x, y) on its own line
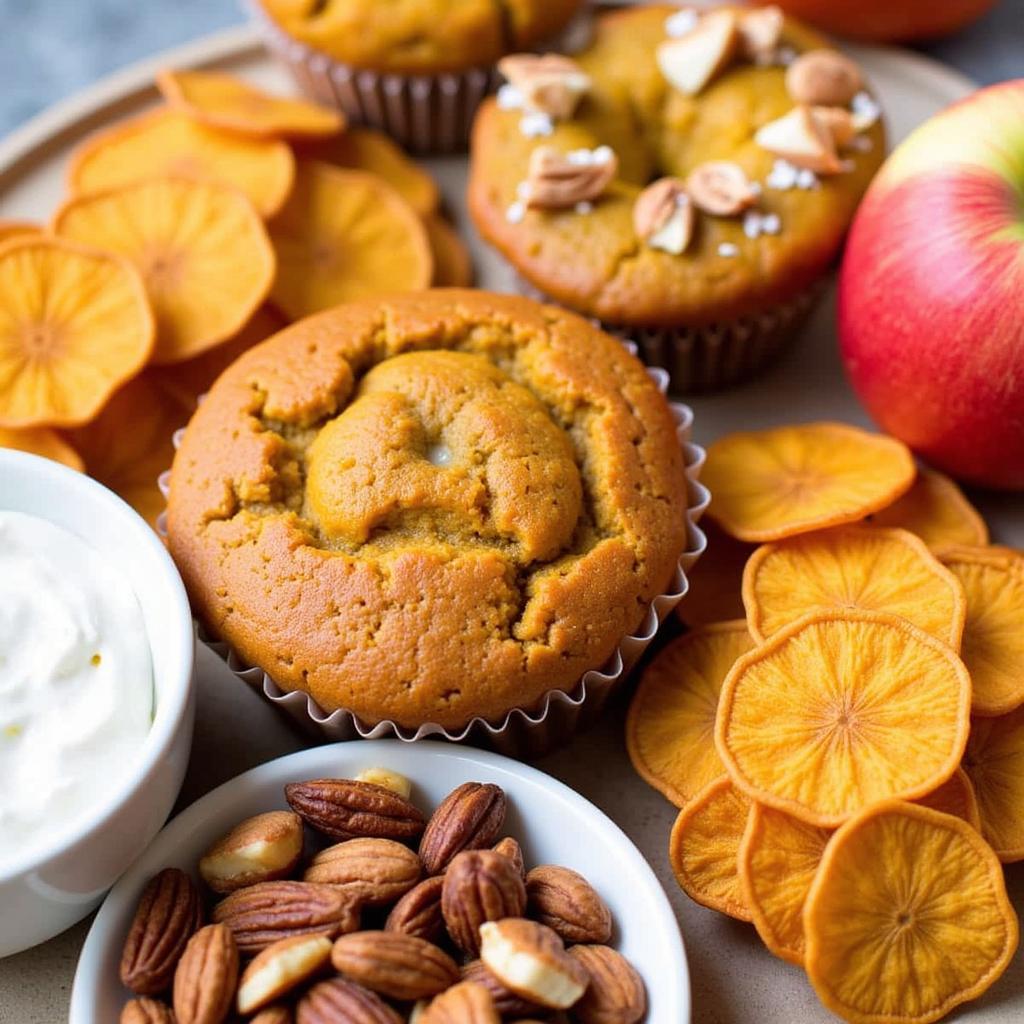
(370, 930)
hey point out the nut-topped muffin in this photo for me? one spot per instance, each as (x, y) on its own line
(432, 508)
(687, 179)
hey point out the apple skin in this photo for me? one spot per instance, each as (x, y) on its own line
(931, 291)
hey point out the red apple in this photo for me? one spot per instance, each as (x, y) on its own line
(931, 291)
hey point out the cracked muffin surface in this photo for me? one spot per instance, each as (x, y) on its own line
(429, 508)
(420, 36)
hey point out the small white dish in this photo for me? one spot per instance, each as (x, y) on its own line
(554, 824)
(45, 892)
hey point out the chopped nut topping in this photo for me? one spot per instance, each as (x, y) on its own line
(823, 78)
(799, 138)
(838, 122)
(663, 216)
(551, 84)
(557, 180)
(692, 61)
(721, 188)
(761, 32)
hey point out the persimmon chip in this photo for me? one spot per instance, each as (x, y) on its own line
(343, 235)
(770, 484)
(993, 638)
(994, 762)
(75, 323)
(955, 796)
(778, 858)
(936, 510)
(453, 267)
(41, 441)
(224, 101)
(841, 709)
(907, 917)
(852, 567)
(201, 248)
(670, 728)
(716, 581)
(168, 143)
(704, 844)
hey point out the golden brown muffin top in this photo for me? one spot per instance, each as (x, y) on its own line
(431, 507)
(593, 260)
(420, 36)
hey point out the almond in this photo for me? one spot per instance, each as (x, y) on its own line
(509, 847)
(615, 994)
(259, 849)
(370, 872)
(262, 914)
(168, 914)
(204, 983)
(557, 180)
(692, 61)
(506, 1002)
(800, 139)
(721, 188)
(146, 1011)
(280, 1013)
(280, 968)
(530, 959)
(550, 84)
(395, 965)
(348, 809)
(388, 779)
(464, 1003)
(343, 1002)
(823, 78)
(761, 32)
(663, 216)
(568, 904)
(479, 886)
(418, 912)
(469, 818)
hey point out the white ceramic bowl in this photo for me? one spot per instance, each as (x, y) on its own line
(47, 892)
(554, 825)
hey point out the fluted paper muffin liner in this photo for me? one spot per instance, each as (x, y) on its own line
(425, 113)
(520, 732)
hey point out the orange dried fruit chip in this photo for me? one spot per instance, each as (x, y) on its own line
(936, 510)
(955, 796)
(343, 235)
(201, 248)
(224, 101)
(777, 861)
(453, 267)
(75, 323)
(841, 709)
(41, 441)
(770, 484)
(168, 143)
(852, 567)
(703, 847)
(17, 229)
(363, 149)
(907, 917)
(670, 727)
(993, 639)
(994, 762)
(715, 591)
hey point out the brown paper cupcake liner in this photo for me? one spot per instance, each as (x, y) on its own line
(520, 732)
(424, 113)
(718, 355)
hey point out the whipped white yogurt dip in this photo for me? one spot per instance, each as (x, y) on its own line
(76, 682)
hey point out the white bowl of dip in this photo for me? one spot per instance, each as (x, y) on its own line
(96, 698)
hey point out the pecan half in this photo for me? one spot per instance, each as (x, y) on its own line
(615, 994)
(663, 216)
(568, 904)
(395, 965)
(721, 188)
(348, 809)
(204, 983)
(259, 849)
(823, 78)
(169, 913)
(469, 818)
(556, 180)
(343, 1002)
(551, 84)
(465, 1003)
(146, 1011)
(479, 886)
(509, 847)
(418, 912)
(370, 872)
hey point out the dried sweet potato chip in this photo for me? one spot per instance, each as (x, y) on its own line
(841, 709)
(363, 149)
(41, 441)
(936, 510)
(343, 235)
(703, 847)
(453, 267)
(670, 728)
(883, 570)
(75, 323)
(993, 639)
(17, 229)
(715, 591)
(955, 796)
(168, 143)
(201, 248)
(130, 444)
(907, 917)
(994, 762)
(224, 101)
(777, 861)
(770, 484)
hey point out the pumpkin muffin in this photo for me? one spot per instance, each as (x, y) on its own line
(429, 509)
(416, 68)
(687, 179)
